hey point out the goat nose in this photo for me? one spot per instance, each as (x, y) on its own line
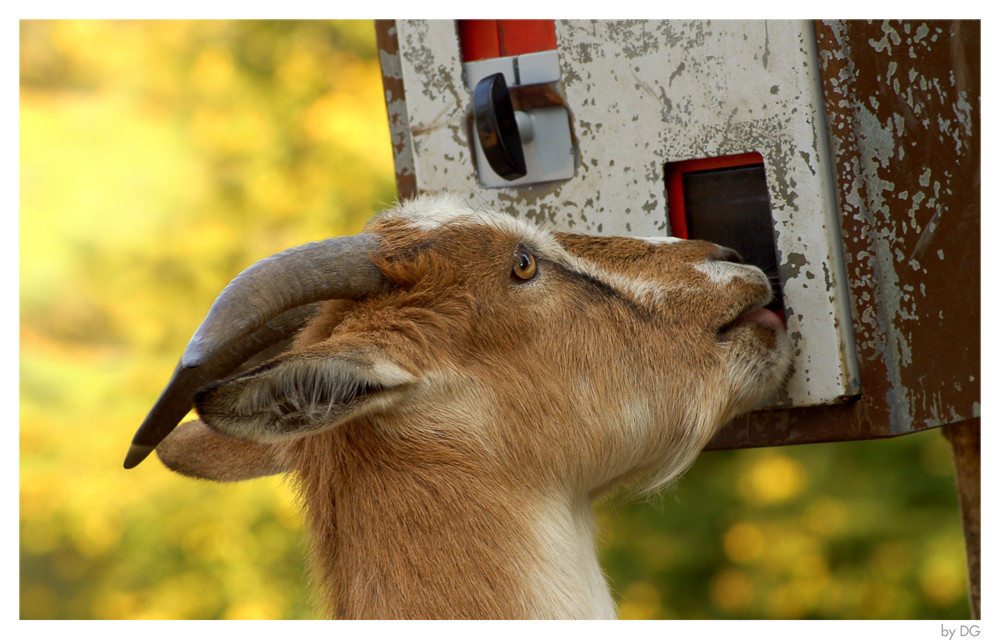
(725, 254)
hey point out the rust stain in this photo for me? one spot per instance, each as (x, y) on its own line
(387, 41)
(902, 105)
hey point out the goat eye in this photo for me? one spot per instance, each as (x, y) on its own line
(524, 266)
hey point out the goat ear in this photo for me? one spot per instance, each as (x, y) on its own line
(193, 449)
(298, 394)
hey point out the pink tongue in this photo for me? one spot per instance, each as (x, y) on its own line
(765, 317)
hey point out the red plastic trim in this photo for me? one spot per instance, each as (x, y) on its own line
(483, 39)
(526, 36)
(675, 183)
(479, 39)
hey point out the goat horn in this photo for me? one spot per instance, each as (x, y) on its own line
(264, 304)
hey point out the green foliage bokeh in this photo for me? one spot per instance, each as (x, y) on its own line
(157, 159)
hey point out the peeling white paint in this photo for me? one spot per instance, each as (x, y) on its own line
(645, 93)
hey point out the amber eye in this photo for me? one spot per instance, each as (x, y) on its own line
(523, 266)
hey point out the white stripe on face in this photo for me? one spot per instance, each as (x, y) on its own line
(721, 272)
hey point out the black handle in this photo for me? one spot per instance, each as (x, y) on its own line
(496, 127)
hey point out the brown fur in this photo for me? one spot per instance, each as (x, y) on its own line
(192, 448)
(457, 482)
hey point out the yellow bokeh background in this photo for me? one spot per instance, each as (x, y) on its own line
(157, 160)
(859, 530)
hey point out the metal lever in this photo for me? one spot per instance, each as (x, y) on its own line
(496, 126)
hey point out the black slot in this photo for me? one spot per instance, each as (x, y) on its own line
(731, 207)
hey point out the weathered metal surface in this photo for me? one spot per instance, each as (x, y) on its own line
(395, 102)
(903, 111)
(642, 94)
(903, 104)
(901, 141)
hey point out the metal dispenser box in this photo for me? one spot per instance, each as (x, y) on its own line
(860, 139)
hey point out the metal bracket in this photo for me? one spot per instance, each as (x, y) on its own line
(516, 148)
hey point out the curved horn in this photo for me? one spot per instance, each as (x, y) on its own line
(264, 304)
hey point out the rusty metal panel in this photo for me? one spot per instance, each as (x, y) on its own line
(965, 438)
(903, 102)
(387, 40)
(645, 93)
(903, 114)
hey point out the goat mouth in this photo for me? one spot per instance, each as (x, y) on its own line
(765, 317)
(759, 316)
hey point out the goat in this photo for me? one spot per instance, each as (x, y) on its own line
(462, 385)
